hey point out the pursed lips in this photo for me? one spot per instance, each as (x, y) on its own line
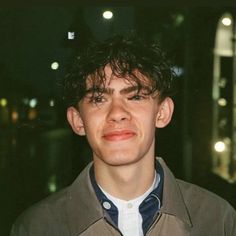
(119, 135)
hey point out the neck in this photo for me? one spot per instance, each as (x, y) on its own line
(125, 182)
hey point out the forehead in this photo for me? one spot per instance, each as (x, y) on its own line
(104, 77)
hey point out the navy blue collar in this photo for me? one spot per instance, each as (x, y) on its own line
(149, 208)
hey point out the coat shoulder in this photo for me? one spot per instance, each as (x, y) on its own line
(46, 212)
(196, 195)
(205, 207)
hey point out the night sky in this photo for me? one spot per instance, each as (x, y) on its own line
(30, 41)
(34, 37)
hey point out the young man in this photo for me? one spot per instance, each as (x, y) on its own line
(118, 93)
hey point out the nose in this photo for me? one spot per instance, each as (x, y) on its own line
(118, 112)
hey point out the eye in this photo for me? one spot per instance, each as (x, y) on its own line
(137, 97)
(97, 99)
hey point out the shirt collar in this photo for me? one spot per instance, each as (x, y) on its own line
(157, 192)
(148, 208)
(106, 204)
(122, 204)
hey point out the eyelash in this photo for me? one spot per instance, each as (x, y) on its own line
(98, 99)
(137, 97)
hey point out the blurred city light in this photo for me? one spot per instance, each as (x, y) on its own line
(223, 122)
(33, 102)
(55, 65)
(178, 70)
(32, 114)
(226, 21)
(14, 116)
(51, 103)
(223, 40)
(107, 15)
(179, 19)
(219, 146)
(13, 141)
(3, 102)
(52, 186)
(25, 101)
(71, 35)
(222, 102)
(222, 82)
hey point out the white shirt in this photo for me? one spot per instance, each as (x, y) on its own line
(129, 217)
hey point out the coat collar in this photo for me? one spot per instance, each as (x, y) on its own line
(84, 209)
(173, 201)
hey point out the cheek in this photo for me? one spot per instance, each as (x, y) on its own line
(148, 118)
(92, 124)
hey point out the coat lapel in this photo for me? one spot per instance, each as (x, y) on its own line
(83, 208)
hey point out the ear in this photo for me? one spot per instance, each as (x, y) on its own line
(165, 112)
(75, 121)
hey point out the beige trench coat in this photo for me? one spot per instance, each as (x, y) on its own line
(187, 210)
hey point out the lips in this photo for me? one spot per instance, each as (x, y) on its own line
(119, 135)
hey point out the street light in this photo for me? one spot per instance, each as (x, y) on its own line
(107, 14)
(219, 146)
(55, 65)
(226, 21)
(3, 102)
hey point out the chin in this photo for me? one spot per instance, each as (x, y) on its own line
(121, 160)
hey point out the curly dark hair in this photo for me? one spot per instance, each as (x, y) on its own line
(125, 55)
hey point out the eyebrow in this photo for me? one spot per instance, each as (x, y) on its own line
(126, 90)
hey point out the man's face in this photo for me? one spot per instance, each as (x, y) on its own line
(120, 123)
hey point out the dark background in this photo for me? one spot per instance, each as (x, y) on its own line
(41, 155)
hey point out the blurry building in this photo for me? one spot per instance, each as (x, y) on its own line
(224, 100)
